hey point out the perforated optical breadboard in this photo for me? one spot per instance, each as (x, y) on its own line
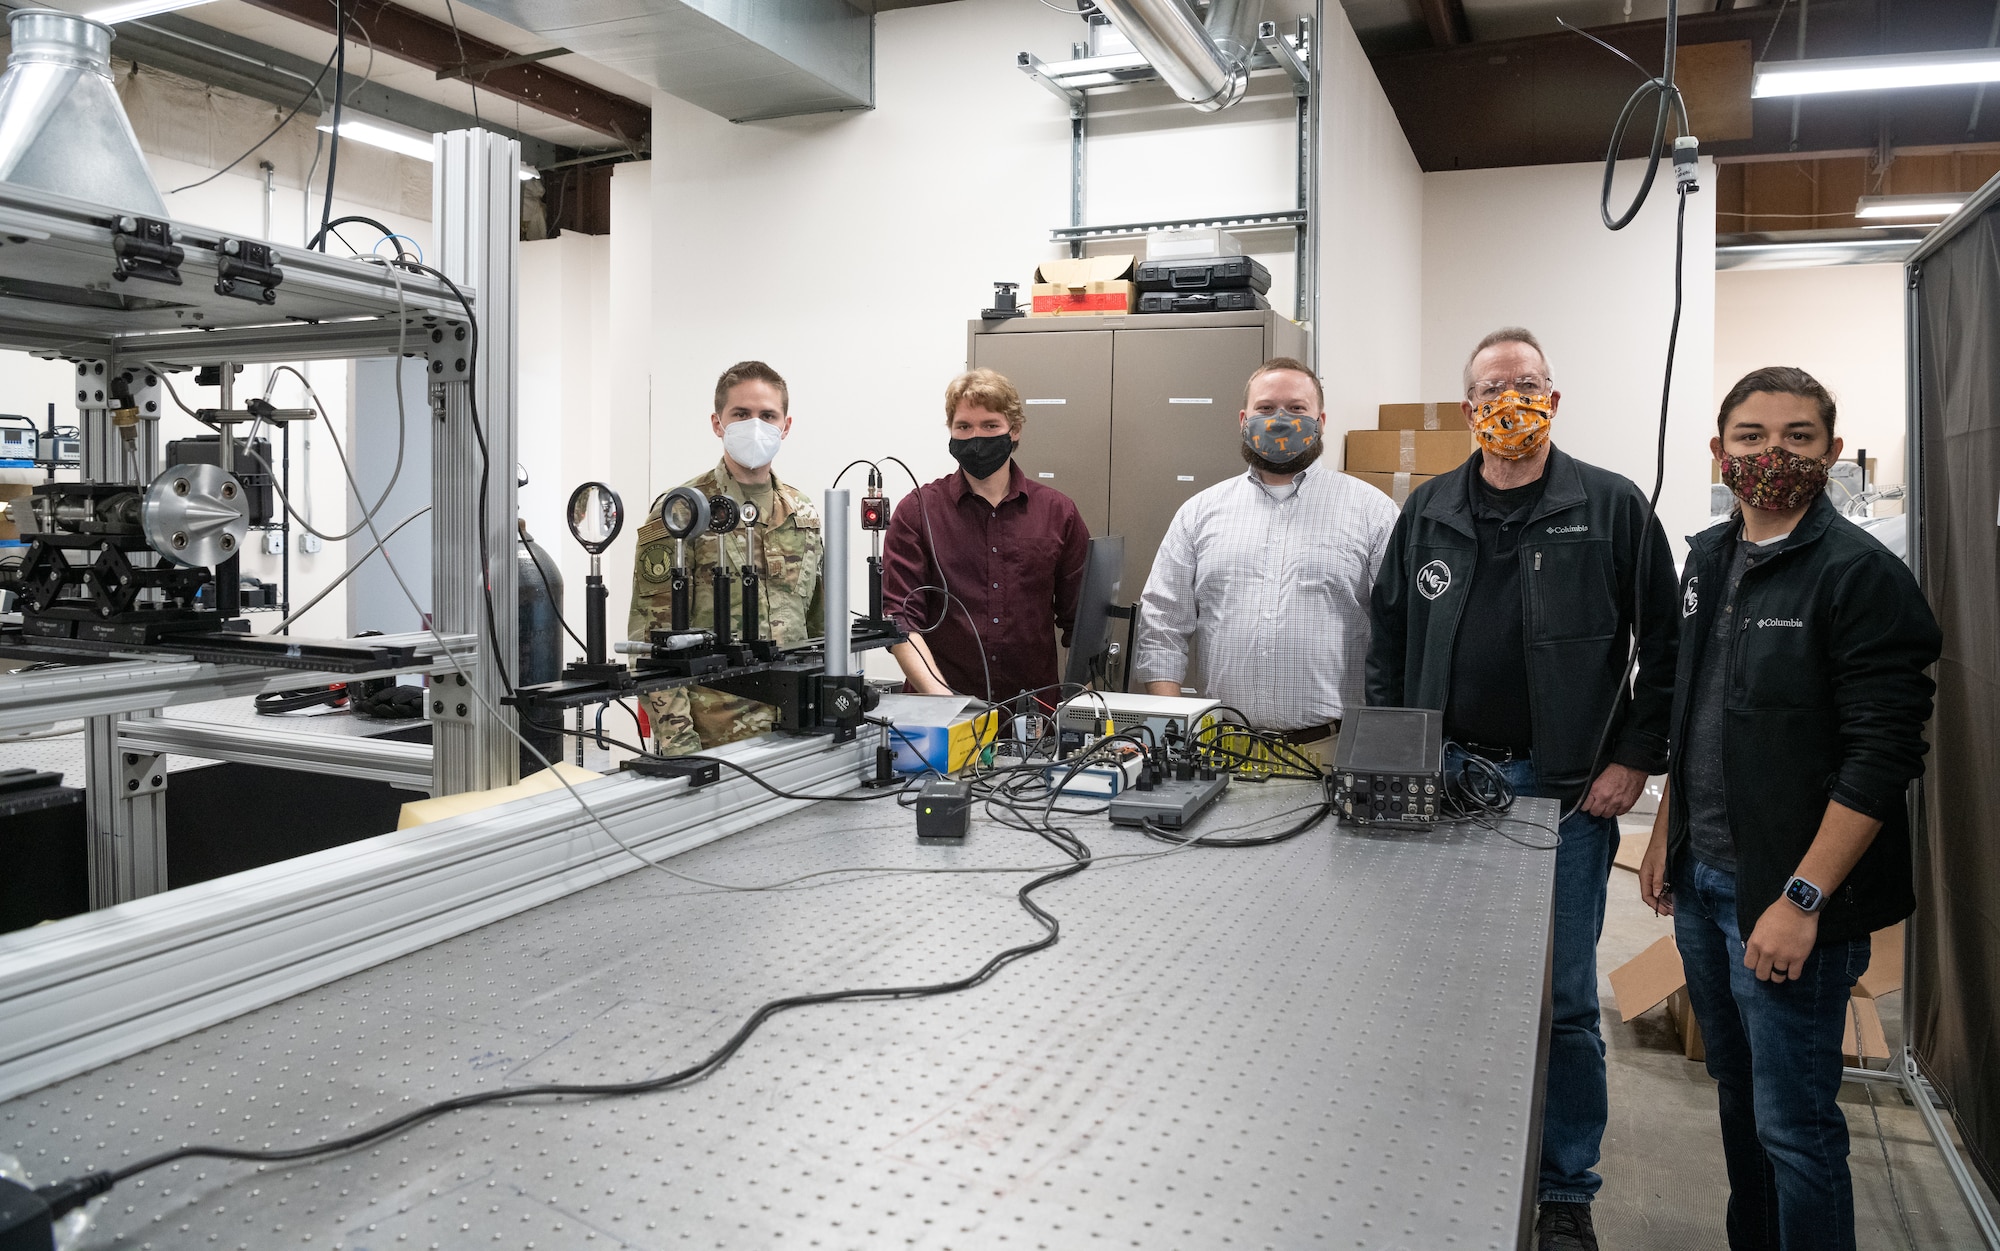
(1327, 1043)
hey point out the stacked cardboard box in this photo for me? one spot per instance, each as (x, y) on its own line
(1412, 444)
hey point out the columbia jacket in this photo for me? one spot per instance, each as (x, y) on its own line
(1827, 701)
(1581, 558)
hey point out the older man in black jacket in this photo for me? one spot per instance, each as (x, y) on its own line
(1799, 711)
(1509, 598)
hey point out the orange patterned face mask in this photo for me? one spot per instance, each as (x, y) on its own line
(1513, 426)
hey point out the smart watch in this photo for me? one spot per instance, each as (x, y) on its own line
(1804, 895)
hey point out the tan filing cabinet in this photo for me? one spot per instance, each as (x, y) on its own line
(1131, 415)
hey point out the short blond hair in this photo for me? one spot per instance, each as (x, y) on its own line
(987, 389)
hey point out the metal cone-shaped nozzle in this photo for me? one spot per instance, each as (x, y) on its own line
(62, 128)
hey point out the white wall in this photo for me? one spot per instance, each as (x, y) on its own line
(1525, 247)
(1372, 241)
(850, 251)
(1843, 324)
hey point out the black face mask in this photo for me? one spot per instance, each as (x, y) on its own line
(982, 457)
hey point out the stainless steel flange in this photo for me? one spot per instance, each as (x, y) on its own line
(196, 515)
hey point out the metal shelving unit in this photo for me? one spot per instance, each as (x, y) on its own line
(1295, 55)
(69, 291)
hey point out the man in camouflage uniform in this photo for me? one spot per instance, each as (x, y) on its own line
(785, 545)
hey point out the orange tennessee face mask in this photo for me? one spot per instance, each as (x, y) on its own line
(1513, 426)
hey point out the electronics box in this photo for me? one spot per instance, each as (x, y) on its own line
(1183, 245)
(251, 459)
(944, 811)
(1212, 273)
(1388, 769)
(1427, 452)
(1083, 285)
(1087, 713)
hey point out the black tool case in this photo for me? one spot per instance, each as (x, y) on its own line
(1242, 300)
(1211, 273)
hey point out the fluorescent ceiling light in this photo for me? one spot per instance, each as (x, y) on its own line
(1875, 73)
(139, 8)
(1934, 206)
(405, 140)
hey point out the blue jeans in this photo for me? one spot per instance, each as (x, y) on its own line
(1774, 1052)
(1574, 1103)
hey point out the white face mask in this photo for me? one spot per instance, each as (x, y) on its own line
(753, 443)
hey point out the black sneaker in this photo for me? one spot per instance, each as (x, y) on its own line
(1565, 1227)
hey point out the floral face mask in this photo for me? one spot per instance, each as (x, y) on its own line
(1776, 478)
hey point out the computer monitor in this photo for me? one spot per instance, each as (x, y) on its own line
(1090, 638)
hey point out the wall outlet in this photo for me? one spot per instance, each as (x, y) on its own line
(310, 544)
(274, 542)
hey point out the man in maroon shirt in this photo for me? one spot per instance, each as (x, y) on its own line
(983, 567)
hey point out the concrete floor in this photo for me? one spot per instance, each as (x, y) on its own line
(1664, 1188)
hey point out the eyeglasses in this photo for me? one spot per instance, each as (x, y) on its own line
(1494, 388)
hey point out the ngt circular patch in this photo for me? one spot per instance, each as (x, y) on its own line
(1433, 579)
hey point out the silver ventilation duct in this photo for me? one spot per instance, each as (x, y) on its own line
(62, 128)
(1206, 64)
(745, 60)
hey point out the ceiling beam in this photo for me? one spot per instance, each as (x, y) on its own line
(1445, 19)
(222, 59)
(436, 46)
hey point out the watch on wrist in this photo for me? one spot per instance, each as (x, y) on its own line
(1803, 895)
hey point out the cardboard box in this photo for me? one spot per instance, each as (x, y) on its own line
(935, 733)
(1191, 245)
(1083, 285)
(1632, 846)
(1443, 415)
(1426, 452)
(1397, 486)
(1655, 976)
(1885, 963)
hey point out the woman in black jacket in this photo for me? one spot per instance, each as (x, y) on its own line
(1799, 709)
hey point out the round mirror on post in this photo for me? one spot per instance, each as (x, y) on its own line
(595, 516)
(684, 513)
(746, 513)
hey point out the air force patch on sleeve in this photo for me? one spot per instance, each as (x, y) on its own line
(1433, 579)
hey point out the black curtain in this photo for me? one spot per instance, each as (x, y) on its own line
(1955, 935)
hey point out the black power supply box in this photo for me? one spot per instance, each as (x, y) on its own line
(1388, 768)
(944, 810)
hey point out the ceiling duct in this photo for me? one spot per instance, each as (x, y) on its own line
(62, 128)
(1206, 64)
(741, 59)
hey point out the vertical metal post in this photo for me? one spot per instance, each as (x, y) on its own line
(833, 585)
(476, 212)
(127, 849)
(1309, 141)
(1076, 138)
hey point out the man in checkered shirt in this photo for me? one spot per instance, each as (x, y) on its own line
(1259, 594)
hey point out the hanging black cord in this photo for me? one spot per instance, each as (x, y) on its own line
(1668, 97)
(339, 89)
(402, 253)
